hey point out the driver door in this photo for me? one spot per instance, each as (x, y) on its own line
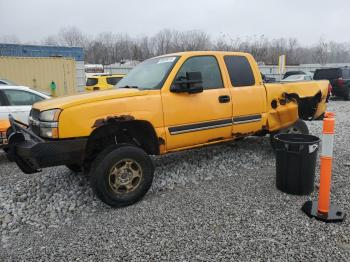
(194, 119)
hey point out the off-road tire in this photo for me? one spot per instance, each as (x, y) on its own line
(101, 170)
(299, 127)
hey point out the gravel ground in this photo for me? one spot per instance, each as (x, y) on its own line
(209, 204)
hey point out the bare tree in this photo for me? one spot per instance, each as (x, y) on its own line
(50, 40)
(293, 52)
(163, 42)
(193, 40)
(320, 53)
(71, 36)
(338, 52)
(108, 47)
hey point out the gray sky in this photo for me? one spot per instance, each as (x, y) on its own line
(307, 20)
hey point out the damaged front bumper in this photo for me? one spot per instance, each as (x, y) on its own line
(31, 152)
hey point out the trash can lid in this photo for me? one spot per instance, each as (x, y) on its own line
(297, 139)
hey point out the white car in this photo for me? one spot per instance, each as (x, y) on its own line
(18, 101)
(295, 78)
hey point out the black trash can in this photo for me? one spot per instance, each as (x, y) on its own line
(295, 163)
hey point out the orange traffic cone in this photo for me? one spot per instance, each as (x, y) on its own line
(321, 209)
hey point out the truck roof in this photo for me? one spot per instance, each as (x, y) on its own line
(189, 53)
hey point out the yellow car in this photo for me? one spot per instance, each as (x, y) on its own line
(102, 82)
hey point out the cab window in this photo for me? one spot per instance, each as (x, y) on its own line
(240, 71)
(21, 98)
(113, 80)
(209, 68)
(91, 81)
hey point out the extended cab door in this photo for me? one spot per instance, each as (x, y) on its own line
(193, 119)
(247, 92)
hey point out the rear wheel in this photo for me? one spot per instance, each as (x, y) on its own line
(299, 127)
(121, 175)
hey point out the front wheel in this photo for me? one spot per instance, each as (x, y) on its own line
(299, 127)
(121, 175)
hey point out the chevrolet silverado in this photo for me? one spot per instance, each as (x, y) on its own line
(165, 104)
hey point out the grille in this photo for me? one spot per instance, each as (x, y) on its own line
(35, 113)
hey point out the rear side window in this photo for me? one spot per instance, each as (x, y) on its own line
(91, 81)
(240, 71)
(346, 73)
(113, 80)
(327, 74)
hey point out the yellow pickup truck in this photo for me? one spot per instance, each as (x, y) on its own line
(165, 104)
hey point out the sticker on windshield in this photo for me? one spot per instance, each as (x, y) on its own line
(166, 60)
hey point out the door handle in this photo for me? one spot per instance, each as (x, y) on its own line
(224, 99)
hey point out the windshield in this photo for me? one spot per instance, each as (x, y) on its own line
(150, 74)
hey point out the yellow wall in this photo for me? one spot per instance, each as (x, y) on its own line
(38, 72)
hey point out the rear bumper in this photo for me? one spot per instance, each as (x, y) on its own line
(31, 154)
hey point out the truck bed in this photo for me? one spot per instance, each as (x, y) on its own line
(305, 91)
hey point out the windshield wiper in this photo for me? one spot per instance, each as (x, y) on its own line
(128, 87)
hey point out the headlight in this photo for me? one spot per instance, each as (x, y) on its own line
(48, 123)
(50, 115)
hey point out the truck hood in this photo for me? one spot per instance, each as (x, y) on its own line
(89, 97)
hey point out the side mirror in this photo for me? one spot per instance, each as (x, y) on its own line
(191, 84)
